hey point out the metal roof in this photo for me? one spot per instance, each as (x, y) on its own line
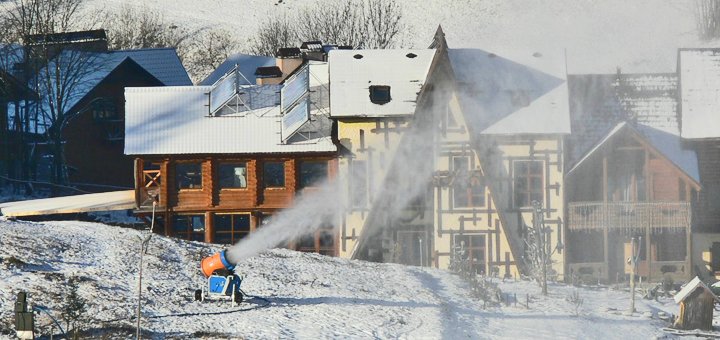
(699, 71)
(175, 120)
(502, 96)
(245, 62)
(669, 145)
(163, 63)
(352, 72)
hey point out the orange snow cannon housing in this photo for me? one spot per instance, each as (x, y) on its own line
(215, 262)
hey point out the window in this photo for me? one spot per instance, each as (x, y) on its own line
(312, 173)
(232, 176)
(189, 227)
(321, 241)
(468, 185)
(474, 250)
(274, 175)
(527, 182)
(104, 109)
(188, 176)
(230, 228)
(380, 94)
(358, 182)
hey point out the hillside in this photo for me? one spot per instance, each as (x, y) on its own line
(310, 296)
(599, 35)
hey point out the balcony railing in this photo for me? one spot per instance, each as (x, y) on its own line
(629, 216)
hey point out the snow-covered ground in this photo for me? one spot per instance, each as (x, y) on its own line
(311, 296)
(598, 35)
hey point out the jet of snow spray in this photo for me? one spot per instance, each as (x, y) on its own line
(311, 211)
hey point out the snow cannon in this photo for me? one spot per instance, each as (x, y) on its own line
(214, 263)
(222, 281)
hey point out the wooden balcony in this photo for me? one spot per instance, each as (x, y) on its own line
(629, 216)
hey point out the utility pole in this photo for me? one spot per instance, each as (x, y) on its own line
(144, 242)
(634, 257)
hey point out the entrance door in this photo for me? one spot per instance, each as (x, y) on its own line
(412, 248)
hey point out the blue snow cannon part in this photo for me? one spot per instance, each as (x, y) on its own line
(225, 262)
(216, 284)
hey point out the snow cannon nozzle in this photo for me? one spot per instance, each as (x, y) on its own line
(215, 262)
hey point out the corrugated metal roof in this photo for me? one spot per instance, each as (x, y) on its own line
(352, 72)
(174, 120)
(501, 96)
(699, 71)
(247, 65)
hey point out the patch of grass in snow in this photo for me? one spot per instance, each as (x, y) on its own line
(13, 261)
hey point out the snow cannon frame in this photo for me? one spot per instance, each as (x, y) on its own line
(215, 262)
(222, 282)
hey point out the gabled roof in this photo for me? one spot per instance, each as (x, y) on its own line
(174, 120)
(501, 96)
(245, 62)
(163, 63)
(599, 102)
(666, 144)
(690, 287)
(352, 72)
(93, 67)
(699, 71)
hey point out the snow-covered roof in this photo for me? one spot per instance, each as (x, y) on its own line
(691, 287)
(669, 145)
(175, 120)
(699, 71)
(89, 69)
(163, 63)
(247, 65)
(106, 201)
(599, 102)
(501, 96)
(352, 72)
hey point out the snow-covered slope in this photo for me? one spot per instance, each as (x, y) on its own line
(599, 35)
(311, 296)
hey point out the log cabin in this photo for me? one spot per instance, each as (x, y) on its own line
(222, 159)
(630, 175)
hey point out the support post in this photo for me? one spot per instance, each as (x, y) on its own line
(606, 246)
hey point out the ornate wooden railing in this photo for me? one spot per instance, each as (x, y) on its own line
(629, 216)
(151, 187)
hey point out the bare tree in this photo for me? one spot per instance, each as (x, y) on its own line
(209, 49)
(55, 69)
(277, 32)
(707, 16)
(364, 24)
(133, 28)
(383, 23)
(538, 253)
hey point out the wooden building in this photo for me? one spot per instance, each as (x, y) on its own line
(630, 174)
(222, 159)
(92, 96)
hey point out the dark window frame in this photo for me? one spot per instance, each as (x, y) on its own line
(471, 249)
(527, 192)
(316, 179)
(265, 175)
(178, 182)
(233, 164)
(468, 185)
(380, 94)
(236, 233)
(188, 231)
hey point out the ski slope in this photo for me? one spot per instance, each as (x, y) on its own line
(598, 35)
(307, 296)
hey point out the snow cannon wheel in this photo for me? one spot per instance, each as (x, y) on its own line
(198, 295)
